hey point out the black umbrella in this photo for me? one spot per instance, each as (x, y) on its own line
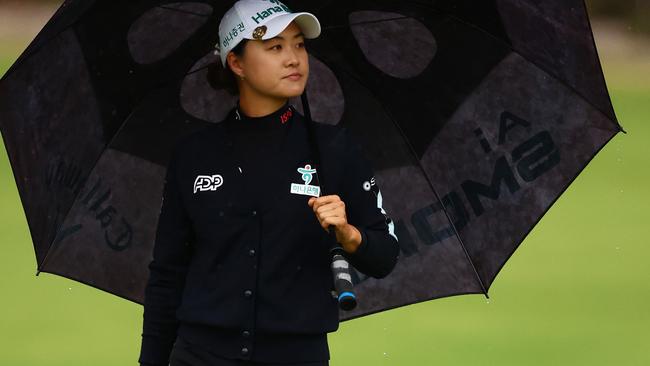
(476, 116)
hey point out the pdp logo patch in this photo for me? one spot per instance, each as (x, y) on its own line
(207, 182)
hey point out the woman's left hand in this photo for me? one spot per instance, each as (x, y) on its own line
(330, 210)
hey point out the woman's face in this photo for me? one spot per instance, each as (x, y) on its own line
(267, 64)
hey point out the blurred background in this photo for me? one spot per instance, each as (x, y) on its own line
(575, 292)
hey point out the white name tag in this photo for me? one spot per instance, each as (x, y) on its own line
(305, 189)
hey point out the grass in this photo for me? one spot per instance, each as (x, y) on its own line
(574, 293)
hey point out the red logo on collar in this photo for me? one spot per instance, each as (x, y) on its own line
(286, 115)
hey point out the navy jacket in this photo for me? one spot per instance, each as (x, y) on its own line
(241, 265)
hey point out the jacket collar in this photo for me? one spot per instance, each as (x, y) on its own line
(280, 117)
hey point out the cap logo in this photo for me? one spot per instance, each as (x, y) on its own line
(259, 32)
(281, 8)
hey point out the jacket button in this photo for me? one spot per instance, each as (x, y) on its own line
(251, 252)
(244, 351)
(245, 333)
(248, 293)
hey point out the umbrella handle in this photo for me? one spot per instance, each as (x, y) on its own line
(340, 266)
(341, 271)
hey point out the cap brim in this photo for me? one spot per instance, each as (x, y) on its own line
(308, 23)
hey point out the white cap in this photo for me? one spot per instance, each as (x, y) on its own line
(260, 19)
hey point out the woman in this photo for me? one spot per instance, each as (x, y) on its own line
(241, 267)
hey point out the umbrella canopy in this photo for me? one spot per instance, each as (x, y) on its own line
(476, 116)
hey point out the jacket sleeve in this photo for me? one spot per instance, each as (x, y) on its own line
(378, 252)
(167, 271)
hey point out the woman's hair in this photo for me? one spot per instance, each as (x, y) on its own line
(220, 77)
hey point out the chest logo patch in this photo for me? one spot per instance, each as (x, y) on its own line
(305, 189)
(207, 182)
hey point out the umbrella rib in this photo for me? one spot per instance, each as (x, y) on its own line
(183, 11)
(600, 67)
(76, 196)
(367, 22)
(24, 54)
(499, 40)
(426, 176)
(572, 179)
